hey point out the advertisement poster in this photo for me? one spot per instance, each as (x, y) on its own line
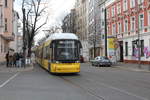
(112, 49)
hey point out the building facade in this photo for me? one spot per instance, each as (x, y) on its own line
(69, 22)
(81, 26)
(96, 27)
(128, 26)
(6, 26)
(101, 26)
(17, 44)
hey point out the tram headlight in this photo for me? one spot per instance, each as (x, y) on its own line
(77, 61)
(57, 62)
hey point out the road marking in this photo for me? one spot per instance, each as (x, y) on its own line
(2, 85)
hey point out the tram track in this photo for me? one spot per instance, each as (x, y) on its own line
(87, 90)
(99, 97)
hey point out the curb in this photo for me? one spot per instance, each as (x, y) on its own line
(133, 69)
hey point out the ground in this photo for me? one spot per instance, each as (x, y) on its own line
(92, 83)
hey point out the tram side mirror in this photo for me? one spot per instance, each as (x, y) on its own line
(80, 44)
(51, 44)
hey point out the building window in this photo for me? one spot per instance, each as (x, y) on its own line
(1, 16)
(119, 28)
(1, 48)
(6, 3)
(132, 3)
(108, 29)
(113, 11)
(5, 24)
(125, 5)
(107, 11)
(103, 23)
(134, 48)
(140, 1)
(141, 21)
(113, 29)
(126, 48)
(118, 8)
(148, 18)
(126, 26)
(132, 23)
(142, 47)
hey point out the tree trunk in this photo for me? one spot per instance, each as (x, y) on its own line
(29, 49)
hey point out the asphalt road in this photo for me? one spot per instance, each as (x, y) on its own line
(92, 83)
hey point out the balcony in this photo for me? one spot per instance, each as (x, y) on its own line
(7, 37)
(1, 3)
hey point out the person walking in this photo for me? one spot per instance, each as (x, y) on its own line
(17, 59)
(20, 60)
(7, 59)
(14, 60)
(10, 57)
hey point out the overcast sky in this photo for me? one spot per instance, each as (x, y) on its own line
(57, 10)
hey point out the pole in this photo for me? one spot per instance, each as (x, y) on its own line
(138, 33)
(106, 33)
(94, 42)
(24, 31)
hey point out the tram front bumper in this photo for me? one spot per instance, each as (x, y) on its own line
(66, 68)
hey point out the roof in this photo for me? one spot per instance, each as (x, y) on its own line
(58, 36)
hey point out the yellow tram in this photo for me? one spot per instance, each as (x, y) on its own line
(60, 53)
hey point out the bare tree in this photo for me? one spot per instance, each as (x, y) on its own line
(33, 11)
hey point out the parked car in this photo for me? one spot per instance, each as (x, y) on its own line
(101, 61)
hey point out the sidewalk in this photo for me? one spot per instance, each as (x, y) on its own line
(133, 67)
(4, 69)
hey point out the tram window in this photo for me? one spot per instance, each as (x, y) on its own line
(40, 53)
(47, 53)
(50, 53)
(44, 53)
(36, 53)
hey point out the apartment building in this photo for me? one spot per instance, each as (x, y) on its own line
(6, 26)
(96, 27)
(81, 26)
(128, 22)
(17, 44)
(69, 22)
(101, 25)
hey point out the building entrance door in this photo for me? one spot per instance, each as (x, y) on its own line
(121, 50)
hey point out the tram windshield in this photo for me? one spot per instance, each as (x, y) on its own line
(67, 50)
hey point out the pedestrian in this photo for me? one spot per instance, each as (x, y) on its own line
(20, 60)
(33, 58)
(10, 57)
(7, 59)
(14, 60)
(17, 59)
